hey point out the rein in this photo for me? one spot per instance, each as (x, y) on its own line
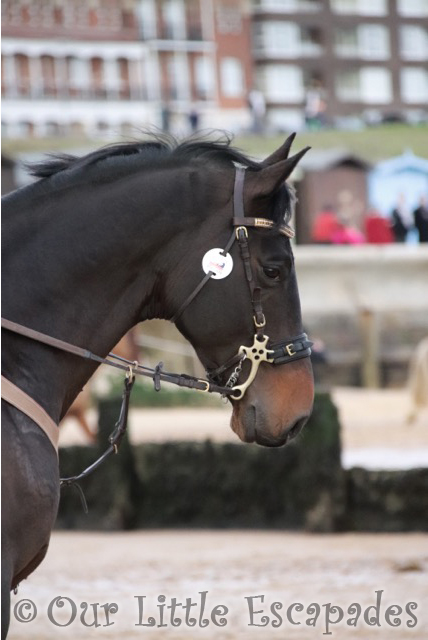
(113, 360)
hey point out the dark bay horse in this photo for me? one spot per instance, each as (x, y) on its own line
(103, 242)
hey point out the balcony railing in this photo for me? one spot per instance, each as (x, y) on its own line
(301, 50)
(287, 6)
(358, 51)
(72, 92)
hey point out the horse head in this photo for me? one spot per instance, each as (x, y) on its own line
(246, 324)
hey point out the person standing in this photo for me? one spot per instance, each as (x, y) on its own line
(257, 105)
(420, 215)
(401, 220)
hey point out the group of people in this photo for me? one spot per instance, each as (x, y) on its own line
(332, 227)
(404, 220)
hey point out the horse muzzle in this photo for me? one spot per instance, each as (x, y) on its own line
(276, 406)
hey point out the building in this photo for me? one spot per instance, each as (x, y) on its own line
(107, 66)
(362, 57)
(334, 180)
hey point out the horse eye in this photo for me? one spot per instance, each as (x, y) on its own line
(272, 272)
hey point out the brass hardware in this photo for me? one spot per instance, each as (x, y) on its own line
(287, 231)
(263, 222)
(207, 386)
(257, 353)
(130, 374)
(290, 350)
(238, 229)
(260, 325)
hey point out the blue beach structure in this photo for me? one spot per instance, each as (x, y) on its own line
(406, 174)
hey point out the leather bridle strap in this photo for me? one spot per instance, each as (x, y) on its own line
(240, 223)
(203, 282)
(45, 339)
(157, 375)
(22, 401)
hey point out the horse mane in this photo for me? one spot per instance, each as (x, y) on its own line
(159, 147)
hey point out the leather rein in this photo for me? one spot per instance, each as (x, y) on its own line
(280, 353)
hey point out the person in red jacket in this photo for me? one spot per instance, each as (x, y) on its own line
(377, 228)
(325, 225)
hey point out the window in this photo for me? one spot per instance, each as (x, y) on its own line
(370, 41)
(346, 42)
(232, 78)
(111, 70)
(48, 74)
(360, 7)
(376, 85)
(278, 38)
(414, 85)
(79, 73)
(174, 19)
(370, 85)
(178, 76)
(22, 67)
(348, 86)
(282, 83)
(204, 77)
(373, 41)
(146, 18)
(415, 8)
(414, 42)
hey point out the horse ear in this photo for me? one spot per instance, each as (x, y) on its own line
(270, 178)
(281, 153)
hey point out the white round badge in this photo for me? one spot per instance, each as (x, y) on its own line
(221, 265)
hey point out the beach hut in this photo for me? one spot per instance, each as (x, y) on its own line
(332, 178)
(404, 176)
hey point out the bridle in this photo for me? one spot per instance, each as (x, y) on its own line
(282, 352)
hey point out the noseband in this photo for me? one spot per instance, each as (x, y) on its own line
(282, 352)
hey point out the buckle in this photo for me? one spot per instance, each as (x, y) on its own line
(238, 229)
(290, 350)
(260, 325)
(207, 386)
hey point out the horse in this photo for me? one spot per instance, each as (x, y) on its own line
(104, 241)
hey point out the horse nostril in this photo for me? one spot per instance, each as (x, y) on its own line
(296, 428)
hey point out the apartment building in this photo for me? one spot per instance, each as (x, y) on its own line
(111, 66)
(365, 57)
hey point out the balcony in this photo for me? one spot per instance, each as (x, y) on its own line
(20, 91)
(360, 52)
(287, 6)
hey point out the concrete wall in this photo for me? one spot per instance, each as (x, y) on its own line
(369, 305)
(346, 279)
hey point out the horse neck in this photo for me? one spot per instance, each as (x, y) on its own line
(94, 265)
